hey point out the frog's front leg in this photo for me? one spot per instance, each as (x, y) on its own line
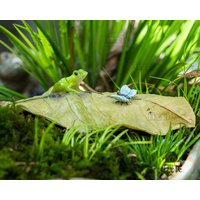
(71, 90)
(61, 93)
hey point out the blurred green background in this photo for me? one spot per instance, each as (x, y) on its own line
(113, 52)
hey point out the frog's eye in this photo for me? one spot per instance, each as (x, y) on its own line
(75, 73)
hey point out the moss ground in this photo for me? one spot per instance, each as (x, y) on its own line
(19, 154)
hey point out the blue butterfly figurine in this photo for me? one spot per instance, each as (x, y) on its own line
(125, 94)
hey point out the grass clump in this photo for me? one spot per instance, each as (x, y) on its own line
(52, 49)
(26, 154)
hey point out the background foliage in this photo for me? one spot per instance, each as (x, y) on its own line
(123, 49)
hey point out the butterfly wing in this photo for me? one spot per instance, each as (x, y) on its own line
(132, 93)
(120, 98)
(124, 90)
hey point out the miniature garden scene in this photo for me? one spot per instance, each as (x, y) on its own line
(100, 100)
